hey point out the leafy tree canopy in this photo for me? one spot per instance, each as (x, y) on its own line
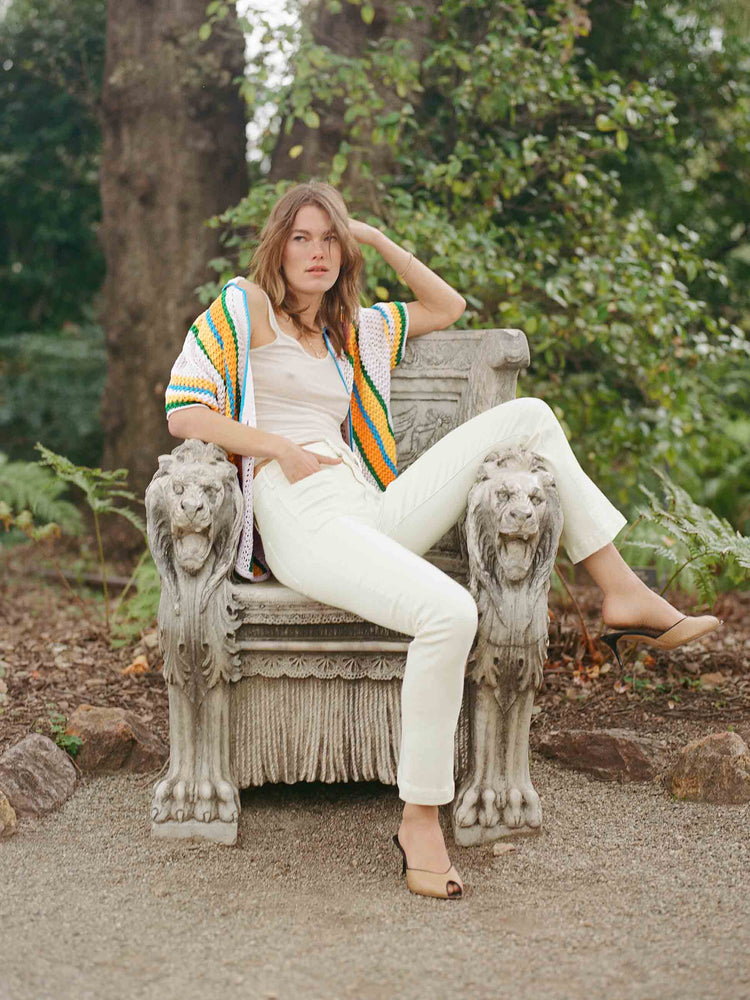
(50, 83)
(531, 164)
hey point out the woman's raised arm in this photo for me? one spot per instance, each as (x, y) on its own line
(438, 305)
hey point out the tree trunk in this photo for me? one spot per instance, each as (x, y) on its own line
(173, 154)
(347, 34)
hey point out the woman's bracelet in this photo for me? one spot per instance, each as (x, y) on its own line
(411, 258)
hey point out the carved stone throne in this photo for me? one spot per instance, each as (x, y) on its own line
(267, 685)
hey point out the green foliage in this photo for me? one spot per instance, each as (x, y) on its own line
(727, 490)
(99, 487)
(66, 741)
(50, 390)
(30, 501)
(700, 549)
(509, 144)
(51, 262)
(697, 51)
(30, 491)
(138, 612)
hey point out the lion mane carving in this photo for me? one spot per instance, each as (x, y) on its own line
(194, 517)
(513, 526)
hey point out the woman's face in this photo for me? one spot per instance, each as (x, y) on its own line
(312, 254)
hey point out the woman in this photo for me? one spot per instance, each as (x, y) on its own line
(310, 420)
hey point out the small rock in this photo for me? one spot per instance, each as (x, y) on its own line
(609, 754)
(713, 769)
(712, 680)
(500, 847)
(36, 775)
(114, 739)
(8, 821)
(150, 639)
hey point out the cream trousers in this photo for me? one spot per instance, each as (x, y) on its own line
(338, 539)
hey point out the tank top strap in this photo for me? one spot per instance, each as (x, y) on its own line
(272, 315)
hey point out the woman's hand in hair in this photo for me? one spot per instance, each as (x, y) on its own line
(363, 233)
(297, 463)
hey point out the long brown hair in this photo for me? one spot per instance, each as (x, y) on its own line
(340, 304)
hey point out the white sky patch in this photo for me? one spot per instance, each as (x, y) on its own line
(278, 14)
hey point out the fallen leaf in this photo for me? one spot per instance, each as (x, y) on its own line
(500, 848)
(138, 666)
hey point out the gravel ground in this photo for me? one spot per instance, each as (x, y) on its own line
(626, 894)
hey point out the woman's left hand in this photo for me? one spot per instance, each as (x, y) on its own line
(362, 232)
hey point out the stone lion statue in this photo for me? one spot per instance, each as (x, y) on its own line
(194, 517)
(513, 526)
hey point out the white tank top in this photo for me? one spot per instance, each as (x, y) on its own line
(300, 397)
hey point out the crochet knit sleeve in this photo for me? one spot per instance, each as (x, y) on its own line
(387, 321)
(206, 372)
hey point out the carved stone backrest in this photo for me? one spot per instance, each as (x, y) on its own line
(444, 379)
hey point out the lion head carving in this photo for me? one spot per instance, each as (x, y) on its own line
(194, 505)
(194, 511)
(513, 515)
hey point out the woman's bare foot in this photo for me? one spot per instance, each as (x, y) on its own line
(638, 605)
(421, 837)
(627, 599)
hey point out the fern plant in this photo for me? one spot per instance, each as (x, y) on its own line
(140, 610)
(30, 502)
(701, 546)
(99, 488)
(29, 493)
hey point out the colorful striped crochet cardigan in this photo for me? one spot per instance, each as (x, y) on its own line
(213, 369)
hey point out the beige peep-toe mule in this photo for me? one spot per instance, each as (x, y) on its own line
(684, 630)
(427, 883)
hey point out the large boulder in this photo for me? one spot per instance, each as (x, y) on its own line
(114, 739)
(8, 821)
(36, 775)
(715, 769)
(609, 754)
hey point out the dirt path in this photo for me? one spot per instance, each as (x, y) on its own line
(626, 895)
